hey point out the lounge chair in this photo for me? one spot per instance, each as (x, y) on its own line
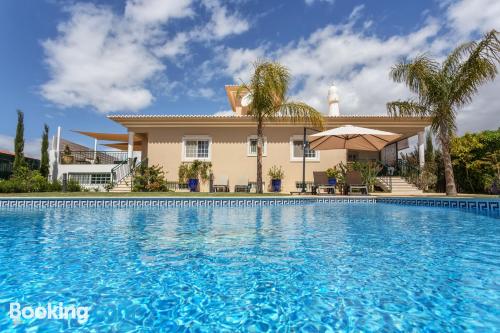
(321, 183)
(221, 184)
(355, 182)
(309, 188)
(242, 185)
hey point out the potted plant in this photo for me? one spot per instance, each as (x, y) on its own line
(191, 173)
(67, 158)
(342, 177)
(369, 171)
(276, 174)
(332, 174)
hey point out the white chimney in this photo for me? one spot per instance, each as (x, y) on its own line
(333, 101)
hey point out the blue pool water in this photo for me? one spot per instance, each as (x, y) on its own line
(311, 268)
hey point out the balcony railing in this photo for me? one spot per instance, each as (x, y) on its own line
(93, 157)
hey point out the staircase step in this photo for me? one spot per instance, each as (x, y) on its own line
(399, 186)
(123, 186)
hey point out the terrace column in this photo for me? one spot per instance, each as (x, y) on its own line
(421, 149)
(130, 146)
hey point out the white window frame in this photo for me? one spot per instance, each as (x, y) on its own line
(264, 148)
(198, 138)
(91, 178)
(299, 159)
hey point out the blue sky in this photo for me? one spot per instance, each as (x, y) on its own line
(70, 63)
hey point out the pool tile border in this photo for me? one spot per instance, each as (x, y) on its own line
(488, 205)
(168, 202)
(484, 205)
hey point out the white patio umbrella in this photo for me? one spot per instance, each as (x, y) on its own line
(351, 137)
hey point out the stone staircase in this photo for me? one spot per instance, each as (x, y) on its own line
(123, 185)
(399, 186)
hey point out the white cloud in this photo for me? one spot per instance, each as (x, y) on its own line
(358, 62)
(202, 92)
(157, 11)
(107, 61)
(238, 63)
(6, 142)
(174, 47)
(96, 62)
(225, 113)
(224, 24)
(469, 16)
(31, 147)
(311, 2)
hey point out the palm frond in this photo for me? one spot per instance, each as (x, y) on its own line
(302, 113)
(454, 59)
(269, 86)
(444, 120)
(407, 109)
(477, 69)
(417, 74)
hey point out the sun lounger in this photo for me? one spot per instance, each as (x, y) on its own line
(221, 184)
(355, 182)
(298, 185)
(321, 183)
(242, 185)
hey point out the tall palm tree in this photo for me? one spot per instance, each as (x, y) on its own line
(267, 93)
(442, 89)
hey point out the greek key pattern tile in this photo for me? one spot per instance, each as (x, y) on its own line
(490, 205)
(346, 200)
(169, 202)
(470, 204)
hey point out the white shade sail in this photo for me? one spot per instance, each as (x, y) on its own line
(352, 137)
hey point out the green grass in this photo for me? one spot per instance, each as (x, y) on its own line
(138, 194)
(196, 194)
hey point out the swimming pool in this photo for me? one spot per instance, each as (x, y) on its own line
(311, 267)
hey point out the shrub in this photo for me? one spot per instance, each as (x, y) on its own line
(26, 181)
(332, 172)
(195, 170)
(38, 183)
(149, 179)
(73, 186)
(369, 171)
(476, 161)
(55, 186)
(276, 172)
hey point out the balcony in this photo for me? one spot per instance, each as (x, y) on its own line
(93, 157)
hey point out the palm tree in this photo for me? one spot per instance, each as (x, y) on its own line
(267, 93)
(442, 89)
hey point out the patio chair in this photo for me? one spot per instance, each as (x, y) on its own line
(321, 183)
(242, 185)
(355, 182)
(221, 184)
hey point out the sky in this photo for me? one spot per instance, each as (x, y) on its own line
(70, 63)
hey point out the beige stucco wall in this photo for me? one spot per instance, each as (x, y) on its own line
(229, 153)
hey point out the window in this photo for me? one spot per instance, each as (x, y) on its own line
(297, 150)
(352, 156)
(196, 148)
(91, 178)
(252, 146)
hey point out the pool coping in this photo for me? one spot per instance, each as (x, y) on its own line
(490, 205)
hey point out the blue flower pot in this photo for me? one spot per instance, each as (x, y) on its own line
(332, 181)
(276, 184)
(193, 184)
